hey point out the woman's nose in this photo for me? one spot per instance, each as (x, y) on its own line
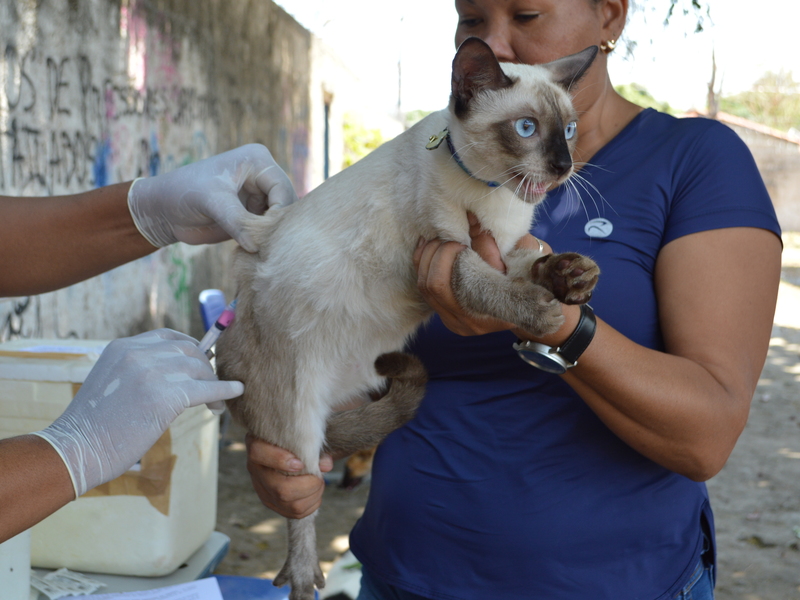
(499, 41)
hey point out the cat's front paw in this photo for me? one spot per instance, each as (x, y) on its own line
(570, 276)
(542, 313)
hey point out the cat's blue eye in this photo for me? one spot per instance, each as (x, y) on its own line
(525, 127)
(570, 129)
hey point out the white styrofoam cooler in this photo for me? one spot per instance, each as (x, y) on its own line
(147, 522)
(15, 567)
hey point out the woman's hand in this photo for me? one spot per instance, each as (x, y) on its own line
(280, 481)
(434, 261)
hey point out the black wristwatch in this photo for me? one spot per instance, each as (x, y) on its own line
(559, 359)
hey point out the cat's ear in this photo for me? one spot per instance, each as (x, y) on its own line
(568, 70)
(475, 68)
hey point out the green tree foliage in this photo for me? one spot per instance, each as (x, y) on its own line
(358, 140)
(774, 100)
(633, 92)
(415, 116)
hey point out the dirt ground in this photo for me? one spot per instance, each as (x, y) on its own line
(756, 497)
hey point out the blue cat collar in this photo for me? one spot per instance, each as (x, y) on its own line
(436, 140)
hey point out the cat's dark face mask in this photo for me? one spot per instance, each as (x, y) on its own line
(529, 148)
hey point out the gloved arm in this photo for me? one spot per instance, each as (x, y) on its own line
(207, 201)
(55, 241)
(137, 388)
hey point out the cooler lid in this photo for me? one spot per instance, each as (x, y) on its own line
(57, 360)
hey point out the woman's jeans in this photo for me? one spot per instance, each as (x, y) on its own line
(701, 584)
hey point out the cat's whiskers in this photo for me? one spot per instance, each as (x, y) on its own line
(508, 210)
(572, 187)
(588, 164)
(462, 150)
(513, 173)
(466, 146)
(521, 185)
(532, 182)
(583, 89)
(576, 181)
(515, 170)
(511, 200)
(586, 184)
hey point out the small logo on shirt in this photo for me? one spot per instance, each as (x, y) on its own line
(598, 228)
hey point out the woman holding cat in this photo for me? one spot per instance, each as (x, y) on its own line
(513, 482)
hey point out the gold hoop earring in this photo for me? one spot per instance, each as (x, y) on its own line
(608, 46)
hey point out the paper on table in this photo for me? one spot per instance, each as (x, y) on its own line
(64, 582)
(202, 589)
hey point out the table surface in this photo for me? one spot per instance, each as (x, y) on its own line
(199, 565)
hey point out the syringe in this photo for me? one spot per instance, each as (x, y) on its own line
(212, 335)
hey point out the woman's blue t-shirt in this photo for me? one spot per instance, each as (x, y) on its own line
(506, 485)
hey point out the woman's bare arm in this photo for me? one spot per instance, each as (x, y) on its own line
(686, 407)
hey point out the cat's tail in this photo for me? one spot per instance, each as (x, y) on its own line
(259, 227)
(364, 427)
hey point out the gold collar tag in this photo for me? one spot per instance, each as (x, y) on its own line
(436, 140)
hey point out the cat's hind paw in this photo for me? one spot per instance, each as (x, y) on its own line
(302, 584)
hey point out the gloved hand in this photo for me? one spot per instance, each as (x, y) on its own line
(207, 201)
(138, 386)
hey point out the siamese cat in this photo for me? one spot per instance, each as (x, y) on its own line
(331, 296)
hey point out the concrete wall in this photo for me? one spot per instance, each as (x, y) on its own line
(94, 92)
(779, 163)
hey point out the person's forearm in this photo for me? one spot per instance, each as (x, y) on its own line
(52, 242)
(34, 483)
(684, 408)
(669, 408)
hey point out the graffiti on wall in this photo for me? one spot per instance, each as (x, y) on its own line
(68, 129)
(78, 114)
(20, 319)
(133, 91)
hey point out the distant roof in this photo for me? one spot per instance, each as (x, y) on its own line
(730, 119)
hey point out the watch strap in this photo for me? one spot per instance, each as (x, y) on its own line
(580, 339)
(558, 359)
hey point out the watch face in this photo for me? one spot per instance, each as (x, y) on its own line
(541, 360)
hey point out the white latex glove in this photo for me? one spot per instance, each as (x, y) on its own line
(207, 201)
(138, 386)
